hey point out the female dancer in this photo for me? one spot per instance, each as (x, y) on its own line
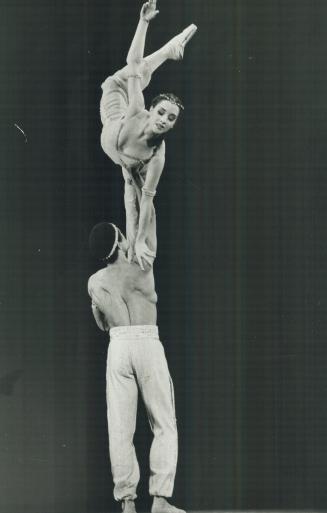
(133, 136)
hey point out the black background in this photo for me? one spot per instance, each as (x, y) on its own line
(241, 272)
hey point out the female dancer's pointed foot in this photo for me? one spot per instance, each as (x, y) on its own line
(176, 46)
(161, 505)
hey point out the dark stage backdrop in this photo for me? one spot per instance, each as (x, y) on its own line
(241, 270)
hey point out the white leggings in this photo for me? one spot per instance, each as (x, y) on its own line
(136, 359)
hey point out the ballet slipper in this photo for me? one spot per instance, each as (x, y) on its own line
(176, 46)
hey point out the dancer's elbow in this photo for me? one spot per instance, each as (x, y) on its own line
(135, 107)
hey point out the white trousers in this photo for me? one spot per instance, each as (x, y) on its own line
(136, 361)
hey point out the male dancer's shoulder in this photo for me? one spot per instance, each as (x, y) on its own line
(95, 281)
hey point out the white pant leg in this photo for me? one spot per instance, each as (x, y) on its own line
(158, 394)
(121, 409)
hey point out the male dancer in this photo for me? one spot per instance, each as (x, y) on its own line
(124, 303)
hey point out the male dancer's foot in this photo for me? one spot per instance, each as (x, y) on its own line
(161, 505)
(176, 46)
(128, 506)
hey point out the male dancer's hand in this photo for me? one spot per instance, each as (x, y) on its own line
(149, 10)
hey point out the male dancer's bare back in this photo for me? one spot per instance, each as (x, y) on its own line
(124, 294)
(124, 303)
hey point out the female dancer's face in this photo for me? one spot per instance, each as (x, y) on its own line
(163, 117)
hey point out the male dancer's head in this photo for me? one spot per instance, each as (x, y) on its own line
(107, 242)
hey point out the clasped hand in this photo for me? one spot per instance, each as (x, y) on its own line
(144, 254)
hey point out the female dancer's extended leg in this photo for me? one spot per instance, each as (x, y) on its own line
(174, 49)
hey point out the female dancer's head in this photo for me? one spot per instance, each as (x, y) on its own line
(164, 111)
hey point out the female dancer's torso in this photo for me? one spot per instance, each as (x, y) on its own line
(125, 143)
(132, 144)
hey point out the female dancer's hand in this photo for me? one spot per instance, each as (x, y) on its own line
(144, 253)
(149, 11)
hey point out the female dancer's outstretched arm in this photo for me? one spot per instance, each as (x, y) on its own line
(136, 51)
(135, 105)
(132, 215)
(135, 58)
(154, 171)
